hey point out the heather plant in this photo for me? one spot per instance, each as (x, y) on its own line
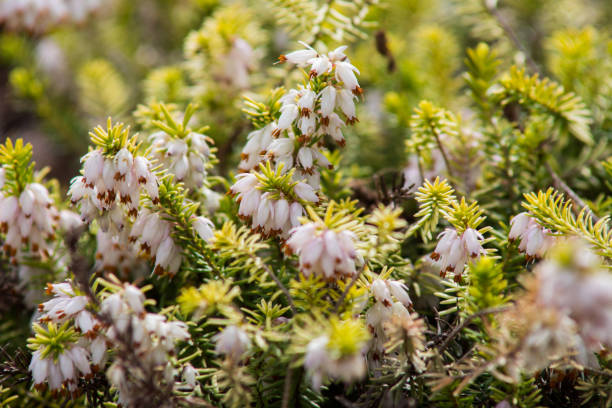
(303, 203)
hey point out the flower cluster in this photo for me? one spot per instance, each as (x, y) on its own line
(72, 342)
(232, 342)
(147, 337)
(116, 254)
(28, 219)
(327, 253)
(154, 234)
(237, 63)
(337, 354)
(39, 16)
(384, 308)
(186, 157)
(307, 114)
(221, 53)
(535, 240)
(110, 180)
(544, 335)
(453, 250)
(270, 201)
(406, 337)
(63, 369)
(80, 343)
(66, 305)
(574, 283)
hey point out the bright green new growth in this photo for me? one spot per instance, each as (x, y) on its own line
(463, 216)
(553, 211)
(437, 200)
(278, 185)
(545, 96)
(16, 160)
(313, 20)
(434, 201)
(264, 113)
(487, 285)
(52, 340)
(482, 68)
(346, 337)
(178, 130)
(208, 298)
(428, 124)
(113, 138)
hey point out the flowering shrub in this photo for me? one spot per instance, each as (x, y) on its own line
(299, 216)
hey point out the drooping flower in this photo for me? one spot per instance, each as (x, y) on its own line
(66, 305)
(453, 251)
(153, 233)
(63, 371)
(327, 253)
(258, 144)
(337, 354)
(384, 289)
(232, 342)
(204, 227)
(149, 336)
(274, 210)
(574, 283)
(384, 309)
(116, 254)
(29, 221)
(534, 239)
(57, 359)
(238, 62)
(295, 138)
(187, 158)
(109, 184)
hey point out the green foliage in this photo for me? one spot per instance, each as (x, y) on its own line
(487, 285)
(237, 250)
(474, 158)
(277, 184)
(52, 340)
(165, 84)
(544, 96)
(314, 20)
(525, 394)
(26, 84)
(208, 298)
(113, 138)
(434, 200)
(176, 207)
(608, 166)
(463, 216)
(334, 181)
(427, 125)
(16, 160)
(482, 68)
(553, 211)
(7, 398)
(263, 113)
(102, 90)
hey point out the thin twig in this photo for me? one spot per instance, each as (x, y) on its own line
(346, 291)
(493, 11)
(281, 287)
(420, 166)
(570, 193)
(444, 156)
(287, 387)
(467, 321)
